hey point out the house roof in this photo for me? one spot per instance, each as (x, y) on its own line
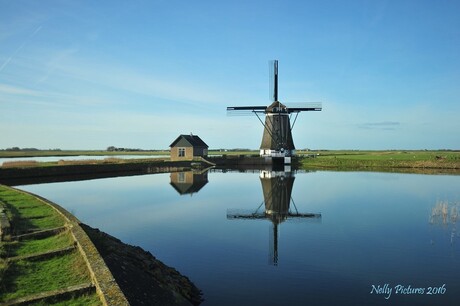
(193, 140)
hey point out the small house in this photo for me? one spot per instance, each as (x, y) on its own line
(187, 147)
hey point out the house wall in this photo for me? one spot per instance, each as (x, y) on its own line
(200, 151)
(175, 153)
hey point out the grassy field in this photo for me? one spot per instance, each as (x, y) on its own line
(44, 153)
(108, 160)
(381, 159)
(334, 159)
(38, 153)
(18, 163)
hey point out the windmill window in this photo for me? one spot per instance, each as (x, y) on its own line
(181, 152)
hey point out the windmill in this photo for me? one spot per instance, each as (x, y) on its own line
(277, 189)
(277, 137)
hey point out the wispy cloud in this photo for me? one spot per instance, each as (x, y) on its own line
(116, 76)
(383, 125)
(23, 44)
(17, 90)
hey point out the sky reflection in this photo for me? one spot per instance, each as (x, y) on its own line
(374, 229)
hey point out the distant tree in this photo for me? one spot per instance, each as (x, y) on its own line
(13, 149)
(111, 148)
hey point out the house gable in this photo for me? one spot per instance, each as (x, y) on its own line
(186, 147)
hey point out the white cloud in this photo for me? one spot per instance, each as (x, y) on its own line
(17, 90)
(117, 77)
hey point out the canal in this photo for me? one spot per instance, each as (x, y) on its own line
(285, 238)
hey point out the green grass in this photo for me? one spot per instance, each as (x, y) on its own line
(35, 246)
(85, 300)
(109, 160)
(23, 278)
(240, 152)
(76, 153)
(383, 159)
(28, 212)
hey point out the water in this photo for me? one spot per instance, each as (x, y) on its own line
(375, 232)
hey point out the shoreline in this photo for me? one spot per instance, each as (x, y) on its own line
(386, 161)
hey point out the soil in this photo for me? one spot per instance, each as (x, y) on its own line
(143, 279)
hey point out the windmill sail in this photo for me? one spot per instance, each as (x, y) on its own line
(273, 75)
(277, 139)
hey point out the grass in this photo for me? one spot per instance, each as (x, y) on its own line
(108, 160)
(24, 278)
(85, 300)
(35, 246)
(28, 212)
(382, 159)
(38, 153)
(415, 161)
(231, 152)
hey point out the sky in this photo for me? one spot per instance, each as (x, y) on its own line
(136, 74)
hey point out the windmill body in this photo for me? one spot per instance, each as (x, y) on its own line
(277, 139)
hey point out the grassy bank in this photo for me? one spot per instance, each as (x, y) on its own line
(38, 254)
(335, 159)
(108, 160)
(359, 160)
(43, 153)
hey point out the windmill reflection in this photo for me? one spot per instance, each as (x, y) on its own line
(189, 182)
(277, 189)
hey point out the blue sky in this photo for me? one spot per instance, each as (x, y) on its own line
(93, 74)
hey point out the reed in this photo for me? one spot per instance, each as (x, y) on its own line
(20, 164)
(444, 213)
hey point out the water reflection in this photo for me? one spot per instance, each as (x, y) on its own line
(277, 190)
(189, 182)
(376, 233)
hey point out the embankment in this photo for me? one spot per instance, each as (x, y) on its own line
(75, 172)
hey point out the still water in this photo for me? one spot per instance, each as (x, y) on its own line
(284, 238)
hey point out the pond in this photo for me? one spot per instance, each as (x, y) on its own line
(285, 238)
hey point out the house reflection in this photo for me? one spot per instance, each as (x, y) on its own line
(189, 182)
(277, 189)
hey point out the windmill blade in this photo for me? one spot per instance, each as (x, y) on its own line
(237, 108)
(301, 107)
(273, 75)
(245, 110)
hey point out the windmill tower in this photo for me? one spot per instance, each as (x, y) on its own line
(277, 139)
